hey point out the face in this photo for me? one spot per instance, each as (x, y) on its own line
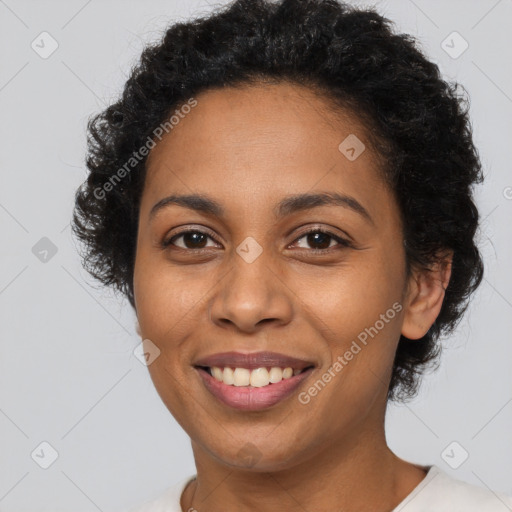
(251, 278)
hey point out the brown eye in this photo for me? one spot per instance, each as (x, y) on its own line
(322, 240)
(192, 239)
(318, 240)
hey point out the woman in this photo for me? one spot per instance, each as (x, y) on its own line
(284, 195)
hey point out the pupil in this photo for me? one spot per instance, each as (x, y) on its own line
(194, 237)
(197, 240)
(313, 239)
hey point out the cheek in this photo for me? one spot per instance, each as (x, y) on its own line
(354, 298)
(160, 308)
(169, 301)
(168, 304)
(364, 326)
(358, 311)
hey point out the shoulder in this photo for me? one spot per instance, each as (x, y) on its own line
(168, 501)
(440, 492)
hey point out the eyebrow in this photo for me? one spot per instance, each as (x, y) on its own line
(287, 206)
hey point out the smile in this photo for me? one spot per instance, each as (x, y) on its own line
(248, 390)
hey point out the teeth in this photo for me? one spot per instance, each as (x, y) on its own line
(241, 376)
(287, 373)
(275, 375)
(216, 372)
(256, 378)
(226, 376)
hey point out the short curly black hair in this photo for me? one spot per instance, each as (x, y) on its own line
(418, 123)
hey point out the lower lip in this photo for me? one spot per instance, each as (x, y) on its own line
(249, 398)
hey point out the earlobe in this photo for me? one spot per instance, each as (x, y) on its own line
(425, 297)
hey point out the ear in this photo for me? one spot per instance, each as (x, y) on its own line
(425, 295)
(137, 328)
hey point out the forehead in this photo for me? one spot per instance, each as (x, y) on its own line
(240, 116)
(281, 138)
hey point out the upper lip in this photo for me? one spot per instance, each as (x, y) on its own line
(253, 360)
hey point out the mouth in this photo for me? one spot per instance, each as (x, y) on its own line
(252, 390)
(256, 378)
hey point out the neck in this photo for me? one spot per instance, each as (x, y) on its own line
(361, 473)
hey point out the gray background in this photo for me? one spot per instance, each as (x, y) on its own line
(68, 375)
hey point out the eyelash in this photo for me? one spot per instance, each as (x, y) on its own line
(341, 241)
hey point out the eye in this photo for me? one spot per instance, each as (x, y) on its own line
(192, 239)
(196, 240)
(323, 239)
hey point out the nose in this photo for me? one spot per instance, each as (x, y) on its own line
(251, 295)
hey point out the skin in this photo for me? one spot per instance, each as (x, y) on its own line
(248, 148)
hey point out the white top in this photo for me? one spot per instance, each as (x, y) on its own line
(437, 492)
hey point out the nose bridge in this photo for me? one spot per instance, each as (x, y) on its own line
(251, 290)
(251, 266)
